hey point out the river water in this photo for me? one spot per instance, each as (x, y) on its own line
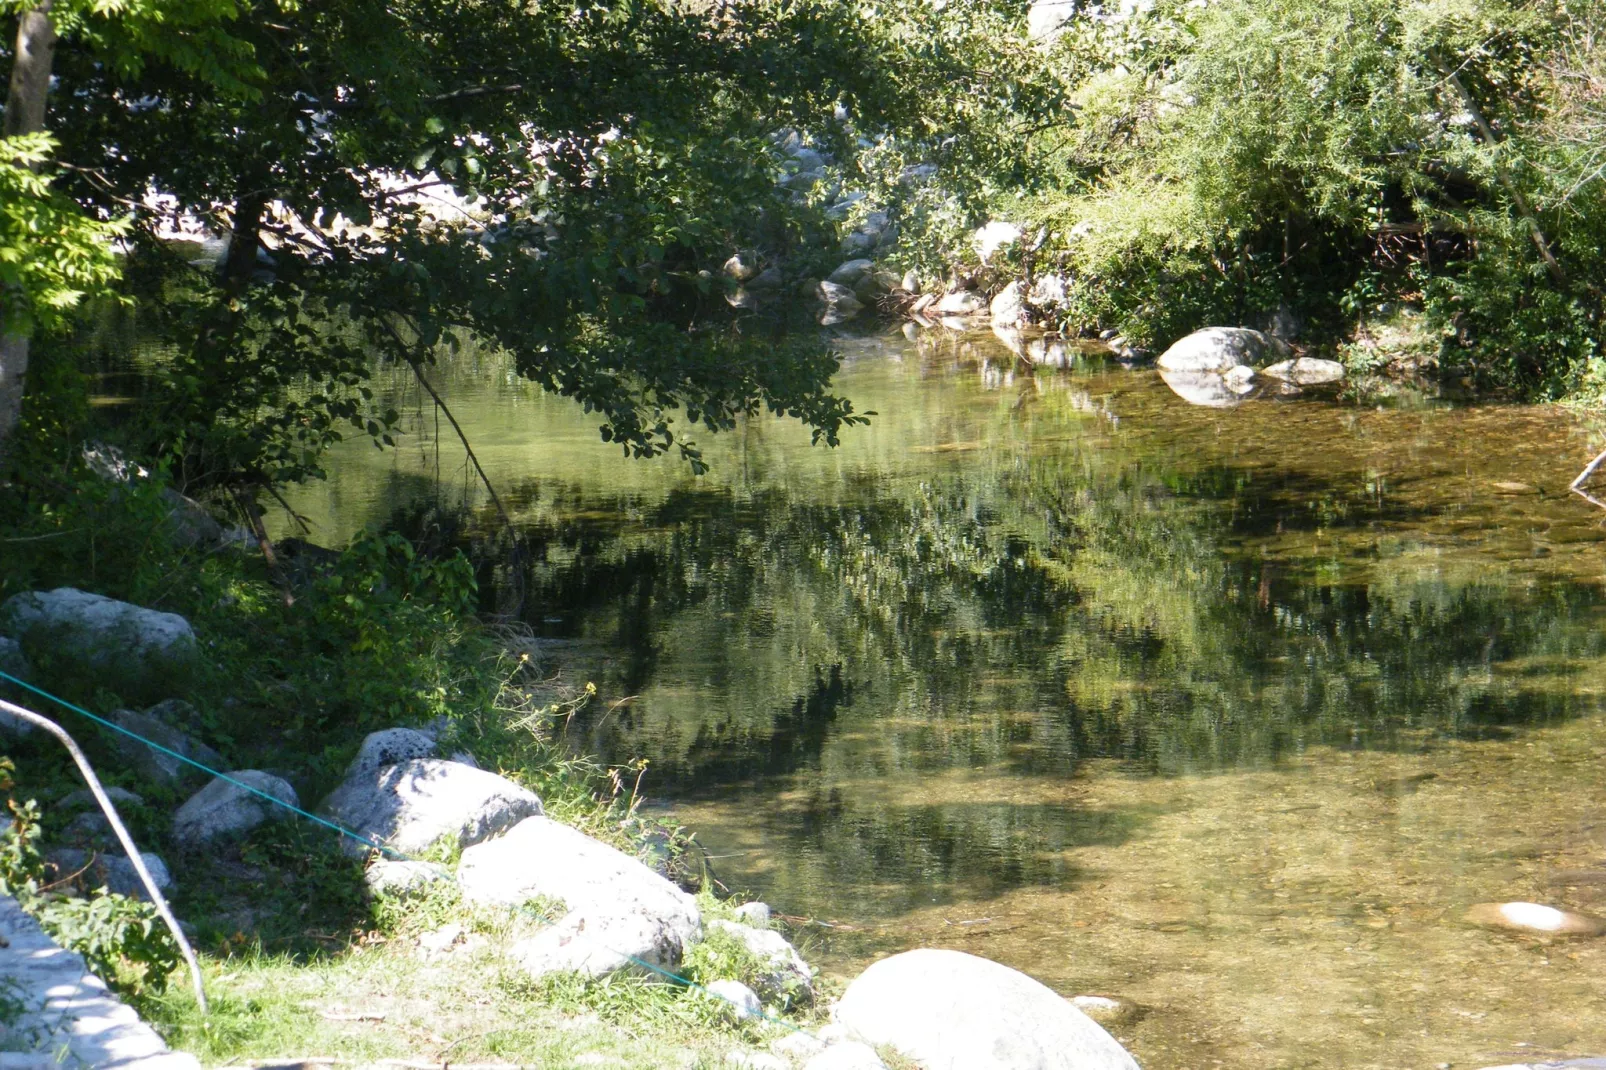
(1230, 714)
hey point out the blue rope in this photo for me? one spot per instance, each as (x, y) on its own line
(389, 852)
(170, 752)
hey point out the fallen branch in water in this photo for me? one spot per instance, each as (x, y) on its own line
(1577, 485)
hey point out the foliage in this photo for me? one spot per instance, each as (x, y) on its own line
(51, 253)
(122, 940)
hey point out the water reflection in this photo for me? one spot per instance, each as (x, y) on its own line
(1173, 702)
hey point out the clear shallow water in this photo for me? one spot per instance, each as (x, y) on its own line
(1228, 713)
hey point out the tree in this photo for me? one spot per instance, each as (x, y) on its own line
(52, 255)
(606, 157)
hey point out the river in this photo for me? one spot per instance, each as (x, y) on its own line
(1229, 714)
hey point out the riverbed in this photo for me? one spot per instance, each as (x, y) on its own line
(1227, 713)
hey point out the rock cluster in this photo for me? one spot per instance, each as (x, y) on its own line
(1222, 367)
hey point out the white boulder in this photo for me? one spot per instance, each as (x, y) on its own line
(223, 809)
(142, 652)
(755, 914)
(1306, 371)
(1049, 292)
(618, 908)
(1216, 349)
(411, 805)
(947, 1010)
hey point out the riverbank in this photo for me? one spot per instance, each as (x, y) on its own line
(297, 665)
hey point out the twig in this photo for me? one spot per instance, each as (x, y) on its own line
(1589, 470)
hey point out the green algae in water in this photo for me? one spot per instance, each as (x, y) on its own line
(1230, 714)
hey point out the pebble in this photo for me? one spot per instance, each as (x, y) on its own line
(1535, 918)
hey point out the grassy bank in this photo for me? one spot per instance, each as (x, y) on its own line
(300, 660)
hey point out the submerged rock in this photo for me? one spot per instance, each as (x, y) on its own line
(1216, 349)
(1206, 389)
(618, 909)
(947, 1010)
(143, 653)
(222, 809)
(1535, 918)
(411, 805)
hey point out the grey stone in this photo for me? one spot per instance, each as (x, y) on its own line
(768, 279)
(83, 798)
(1215, 349)
(222, 809)
(859, 242)
(737, 997)
(112, 871)
(412, 805)
(399, 877)
(841, 303)
(807, 159)
(754, 914)
(618, 909)
(143, 652)
(947, 1010)
(785, 973)
(13, 661)
(390, 746)
(69, 1018)
(849, 272)
(152, 763)
(1306, 371)
(193, 526)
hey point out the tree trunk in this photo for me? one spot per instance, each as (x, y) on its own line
(25, 114)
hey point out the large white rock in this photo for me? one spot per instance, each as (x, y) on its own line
(141, 653)
(1216, 349)
(947, 1010)
(849, 272)
(618, 908)
(785, 974)
(412, 805)
(223, 809)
